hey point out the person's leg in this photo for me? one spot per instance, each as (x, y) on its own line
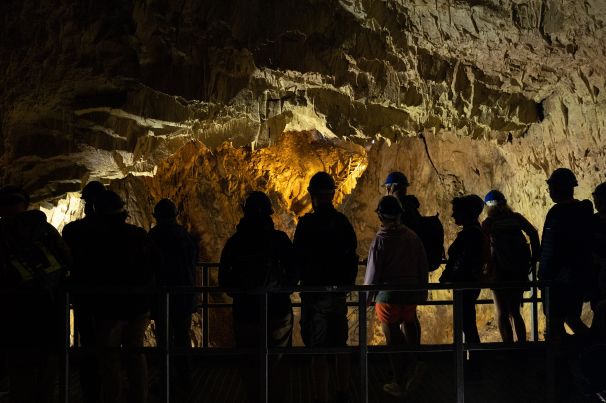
(89, 381)
(501, 305)
(574, 308)
(470, 327)
(395, 337)
(109, 335)
(515, 302)
(180, 327)
(339, 333)
(136, 362)
(280, 336)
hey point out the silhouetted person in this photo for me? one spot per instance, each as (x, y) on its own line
(429, 229)
(566, 253)
(119, 257)
(33, 262)
(176, 256)
(257, 257)
(325, 245)
(598, 291)
(397, 257)
(466, 258)
(510, 260)
(77, 234)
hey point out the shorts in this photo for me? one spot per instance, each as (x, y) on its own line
(324, 320)
(396, 313)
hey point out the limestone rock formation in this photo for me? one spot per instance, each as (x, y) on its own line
(205, 100)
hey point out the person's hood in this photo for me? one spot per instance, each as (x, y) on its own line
(28, 225)
(255, 224)
(392, 231)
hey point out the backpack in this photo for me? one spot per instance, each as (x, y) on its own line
(431, 232)
(32, 263)
(509, 249)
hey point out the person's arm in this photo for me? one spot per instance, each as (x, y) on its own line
(287, 259)
(351, 255)
(373, 268)
(549, 249)
(533, 235)
(490, 270)
(226, 265)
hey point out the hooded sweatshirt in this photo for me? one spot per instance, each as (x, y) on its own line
(566, 243)
(397, 257)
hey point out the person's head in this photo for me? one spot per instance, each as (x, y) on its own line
(496, 202)
(389, 210)
(257, 205)
(13, 200)
(599, 198)
(321, 189)
(89, 193)
(165, 211)
(396, 184)
(561, 185)
(109, 206)
(467, 209)
(411, 205)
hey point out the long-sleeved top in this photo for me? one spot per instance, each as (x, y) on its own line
(255, 257)
(566, 244)
(510, 256)
(325, 246)
(466, 256)
(397, 257)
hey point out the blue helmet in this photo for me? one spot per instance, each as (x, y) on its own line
(494, 198)
(396, 178)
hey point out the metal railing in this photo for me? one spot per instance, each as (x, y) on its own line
(459, 347)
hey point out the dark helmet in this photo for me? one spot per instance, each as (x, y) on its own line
(108, 203)
(470, 205)
(91, 190)
(495, 198)
(12, 195)
(389, 207)
(257, 204)
(396, 178)
(600, 190)
(321, 182)
(165, 210)
(563, 177)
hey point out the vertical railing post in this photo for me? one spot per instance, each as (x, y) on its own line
(457, 311)
(534, 313)
(66, 346)
(263, 350)
(205, 296)
(363, 342)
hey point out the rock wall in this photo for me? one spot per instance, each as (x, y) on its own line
(204, 100)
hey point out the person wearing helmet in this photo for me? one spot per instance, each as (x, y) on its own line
(325, 246)
(467, 258)
(255, 258)
(397, 257)
(118, 254)
(77, 235)
(177, 255)
(598, 288)
(566, 252)
(396, 184)
(510, 260)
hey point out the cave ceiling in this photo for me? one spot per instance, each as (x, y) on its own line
(203, 101)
